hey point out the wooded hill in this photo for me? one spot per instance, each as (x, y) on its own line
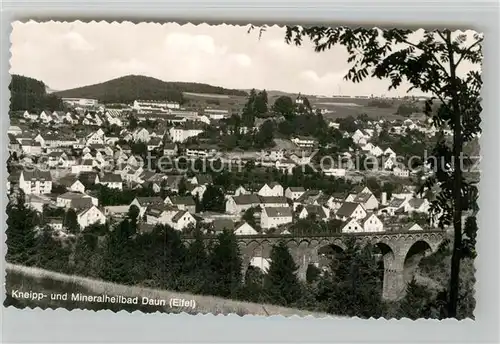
(30, 94)
(134, 87)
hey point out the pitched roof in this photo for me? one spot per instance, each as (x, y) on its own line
(145, 201)
(273, 199)
(347, 208)
(37, 175)
(204, 178)
(396, 202)
(81, 203)
(246, 199)
(362, 197)
(297, 188)
(278, 212)
(316, 210)
(186, 200)
(179, 215)
(111, 178)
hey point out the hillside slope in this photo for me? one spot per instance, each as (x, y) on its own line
(31, 95)
(129, 88)
(24, 278)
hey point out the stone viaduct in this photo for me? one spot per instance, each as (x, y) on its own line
(401, 252)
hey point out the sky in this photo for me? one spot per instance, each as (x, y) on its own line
(69, 55)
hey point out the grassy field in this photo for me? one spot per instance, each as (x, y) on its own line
(38, 280)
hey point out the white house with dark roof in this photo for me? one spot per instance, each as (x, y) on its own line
(245, 229)
(417, 205)
(368, 200)
(273, 201)
(72, 183)
(182, 202)
(35, 182)
(90, 216)
(352, 226)
(238, 204)
(350, 210)
(294, 192)
(271, 189)
(144, 202)
(372, 223)
(317, 212)
(395, 205)
(111, 180)
(240, 190)
(274, 217)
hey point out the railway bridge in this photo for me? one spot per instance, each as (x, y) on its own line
(401, 252)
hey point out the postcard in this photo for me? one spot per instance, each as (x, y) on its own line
(254, 170)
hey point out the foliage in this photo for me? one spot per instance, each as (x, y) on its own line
(284, 106)
(213, 199)
(429, 63)
(281, 283)
(30, 94)
(71, 221)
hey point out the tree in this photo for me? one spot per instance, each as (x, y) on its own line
(182, 186)
(248, 114)
(71, 221)
(260, 103)
(133, 214)
(284, 106)
(248, 216)
(416, 303)
(281, 283)
(354, 286)
(213, 199)
(20, 232)
(265, 135)
(132, 122)
(429, 63)
(225, 264)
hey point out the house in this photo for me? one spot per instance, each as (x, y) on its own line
(74, 200)
(182, 202)
(14, 130)
(240, 190)
(304, 141)
(413, 227)
(389, 153)
(95, 138)
(119, 211)
(271, 189)
(141, 135)
(294, 192)
(35, 182)
(286, 166)
(315, 212)
(367, 199)
(372, 224)
(335, 201)
(90, 216)
(238, 204)
(202, 150)
(31, 147)
(55, 223)
(144, 202)
(84, 165)
(274, 217)
(170, 149)
(395, 205)
(245, 229)
(182, 220)
(360, 136)
(72, 183)
(352, 226)
(417, 205)
(401, 171)
(36, 202)
(273, 201)
(357, 190)
(351, 210)
(182, 133)
(111, 180)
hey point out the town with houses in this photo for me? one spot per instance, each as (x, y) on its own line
(58, 158)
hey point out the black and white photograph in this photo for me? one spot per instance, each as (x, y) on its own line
(243, 169)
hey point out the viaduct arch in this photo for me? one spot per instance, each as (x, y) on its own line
(400, 252)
